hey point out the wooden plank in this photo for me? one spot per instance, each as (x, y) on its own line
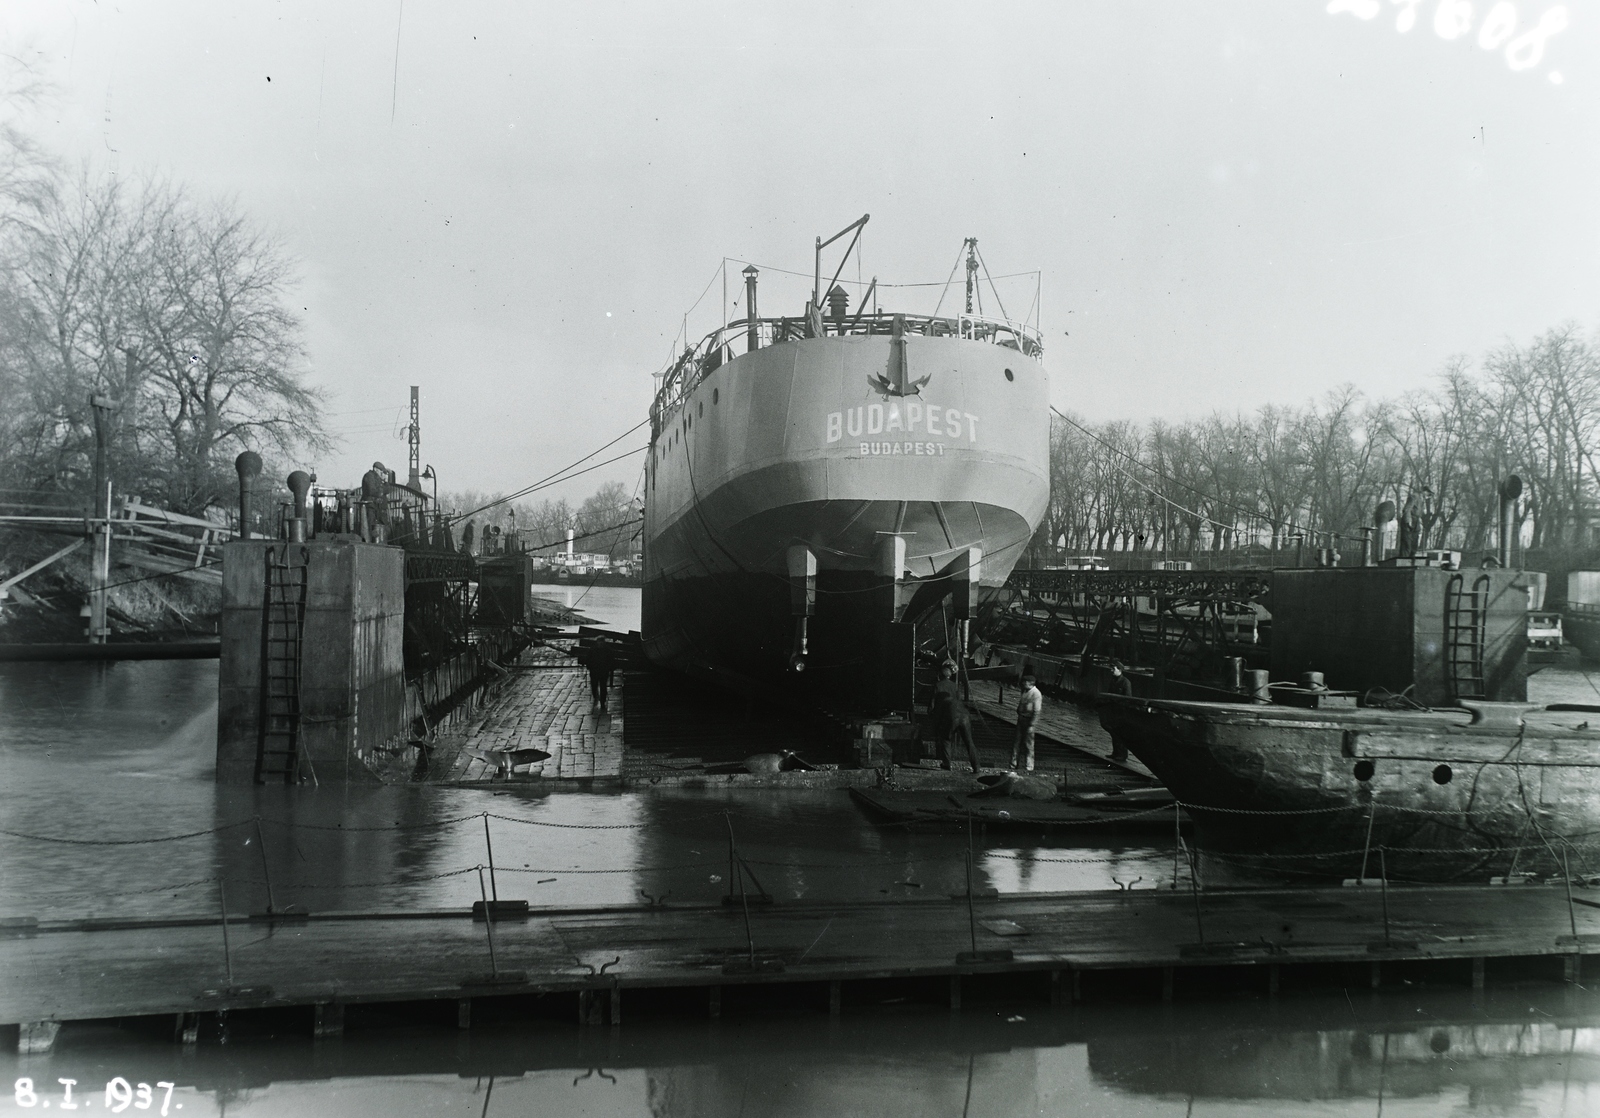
(1536, 746)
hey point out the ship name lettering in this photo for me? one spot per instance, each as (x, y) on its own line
(874, 420)
(869, 450)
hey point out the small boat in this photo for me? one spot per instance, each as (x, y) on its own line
(1426, 795)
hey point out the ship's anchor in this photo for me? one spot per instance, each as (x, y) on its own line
(895, 383)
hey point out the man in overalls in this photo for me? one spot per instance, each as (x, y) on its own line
(951, 719)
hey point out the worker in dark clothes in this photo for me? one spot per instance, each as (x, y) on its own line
(951, 719)
(601, 665)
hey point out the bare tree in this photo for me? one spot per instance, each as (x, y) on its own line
(29, 175)
(1552, 389)
(179, 311)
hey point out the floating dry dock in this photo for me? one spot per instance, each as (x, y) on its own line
(1059, 946)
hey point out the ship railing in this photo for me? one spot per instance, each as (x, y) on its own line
(727, 342)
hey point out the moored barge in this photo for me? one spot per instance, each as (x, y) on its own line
(1484, 790)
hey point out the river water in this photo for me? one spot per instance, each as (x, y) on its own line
(124, 752)
(616, 607)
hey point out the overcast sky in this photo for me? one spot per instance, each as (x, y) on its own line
(513, 205)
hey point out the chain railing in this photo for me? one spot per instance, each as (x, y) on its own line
(1186, 852)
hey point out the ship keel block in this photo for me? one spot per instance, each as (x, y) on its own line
(802, 564)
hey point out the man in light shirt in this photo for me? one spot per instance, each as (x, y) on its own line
(1028, 708)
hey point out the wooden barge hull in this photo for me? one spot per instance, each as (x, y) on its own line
(1444, 795)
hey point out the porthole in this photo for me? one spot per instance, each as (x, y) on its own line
(1443, 775)
(1439, 1042)
(702, 408)
(1364, 770)
(714, 394)
(1010, 375)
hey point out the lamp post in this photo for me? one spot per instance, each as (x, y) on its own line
(438, 528)
(100, 569)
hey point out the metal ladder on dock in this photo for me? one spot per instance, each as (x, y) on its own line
(283, 616)
(1466, 624)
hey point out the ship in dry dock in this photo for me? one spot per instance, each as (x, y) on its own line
(818, 482)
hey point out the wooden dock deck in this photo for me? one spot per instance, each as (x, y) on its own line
(545, 705)
(90, 969)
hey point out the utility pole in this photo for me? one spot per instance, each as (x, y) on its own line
(100, 565)
(415, 438)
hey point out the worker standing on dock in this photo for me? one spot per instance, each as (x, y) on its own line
(951, 719)
(600, 669)
(1029, 707)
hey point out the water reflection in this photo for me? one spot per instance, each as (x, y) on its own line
(123, 752)
(1516, 1053)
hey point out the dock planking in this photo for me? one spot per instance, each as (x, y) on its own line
(80, 970)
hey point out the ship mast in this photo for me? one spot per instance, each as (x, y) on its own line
(972, 271)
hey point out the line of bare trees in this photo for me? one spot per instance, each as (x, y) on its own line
(1259, 481)
(605, 522)
(175, 308)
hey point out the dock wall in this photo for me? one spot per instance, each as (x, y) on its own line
(1390, 627)
(352, 674)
